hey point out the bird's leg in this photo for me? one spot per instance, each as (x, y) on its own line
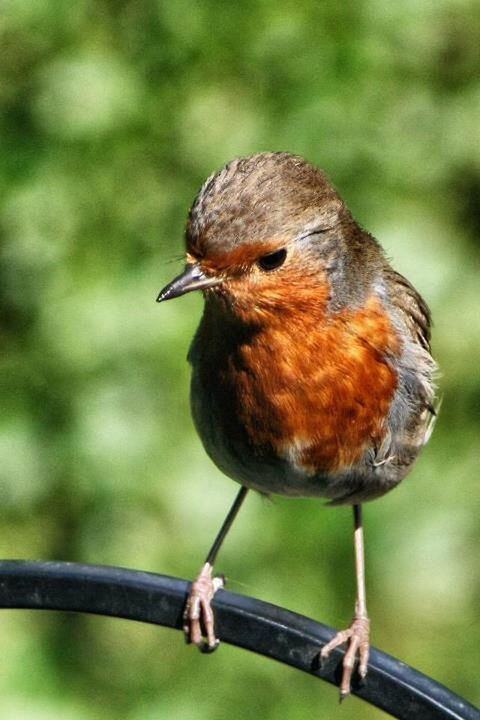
(198, 621)
(358, 633)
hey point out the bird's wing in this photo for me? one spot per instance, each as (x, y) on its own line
(411, 306)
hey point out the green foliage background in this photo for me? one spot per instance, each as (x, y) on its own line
(112, 114)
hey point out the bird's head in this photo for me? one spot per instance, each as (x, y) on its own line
(269, 231)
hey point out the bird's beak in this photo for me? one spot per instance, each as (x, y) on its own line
(192, 278)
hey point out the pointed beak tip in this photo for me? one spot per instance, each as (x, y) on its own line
(192, 278)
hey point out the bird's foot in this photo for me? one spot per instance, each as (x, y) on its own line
(198, 621)
(358, 638)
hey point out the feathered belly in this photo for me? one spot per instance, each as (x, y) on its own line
(288, 417)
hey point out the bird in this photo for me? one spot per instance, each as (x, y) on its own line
(312, 372)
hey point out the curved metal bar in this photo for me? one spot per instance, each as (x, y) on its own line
(246, 622)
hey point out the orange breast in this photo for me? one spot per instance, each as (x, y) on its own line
(316, 388)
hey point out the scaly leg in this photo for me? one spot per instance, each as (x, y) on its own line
(198, 620)
(358, 633)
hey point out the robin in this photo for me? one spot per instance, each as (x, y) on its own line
(311, 367)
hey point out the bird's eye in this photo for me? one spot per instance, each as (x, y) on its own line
(273, 260)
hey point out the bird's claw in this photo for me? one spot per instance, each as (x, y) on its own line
(358, 638)
(198, 620)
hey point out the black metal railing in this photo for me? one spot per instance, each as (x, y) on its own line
(246, 622)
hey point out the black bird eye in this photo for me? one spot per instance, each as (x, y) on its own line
(273, 260)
